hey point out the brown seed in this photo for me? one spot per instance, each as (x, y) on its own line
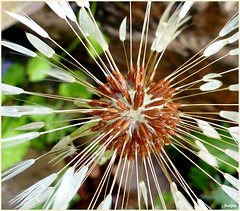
(155, 87)
(99, 126)
(151, 77)
(123, 105)
(155, 103)
(106, 89)
(114, 110)
(111, 116)
(101, 103)
(97, 112)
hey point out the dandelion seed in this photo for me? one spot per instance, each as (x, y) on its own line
(134, 121)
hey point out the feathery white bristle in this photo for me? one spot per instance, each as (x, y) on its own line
(17, 169)
(179, 199)
(68, 10)
(123, 30)
(234, 52)
(232, 180)
(207, 129)
(55, 6)
(62, 143)
(10, 90)
(59, 74)
(18, 139)
(38, 200)
(18, 111)
(30, 23)
(215, 47)
(105, 204)
(230, 115)
(143, 192)
(185, 8)
(83, 4)
(34, 191)
(90, 27)
(68, 188)
(31, 126)
(233, 193)
(234, 132)
(163, 20)
(40, 45)
(233, 154)
(19, 48)
(61, 194)
(168, 30)
(231, 25)
(234, 87)
(205, 155)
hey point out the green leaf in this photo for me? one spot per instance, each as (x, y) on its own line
(35, 67)
(11, 155)
(74, 89)
(97, 47)
(15, 75)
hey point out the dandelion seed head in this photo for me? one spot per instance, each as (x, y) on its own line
(137, 114)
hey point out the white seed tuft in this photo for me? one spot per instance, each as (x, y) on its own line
(233, 38)
(68, 10)
(106, 203)
(19, 48)
(11, 90)
(18, 111)
(234, 52)
(211, 76)
(215, 47)
(211, 85)
(17, 169)
(233, 193)
(234, 132)
(205, 155)
(30, 23)
(234, 87)
(207, 129)
(123, 30)
(68, 188)
(14, 140)
(40, 45)
(230, 115)
(231, 25)
(34, 191)
(83, 4)
(38, 200)
(232, 180)
(143, 192)
(233, 154)
(90, 27)
(59, 74)
(31, 126)
(179, 199)
(185, 8)
(55, 6)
